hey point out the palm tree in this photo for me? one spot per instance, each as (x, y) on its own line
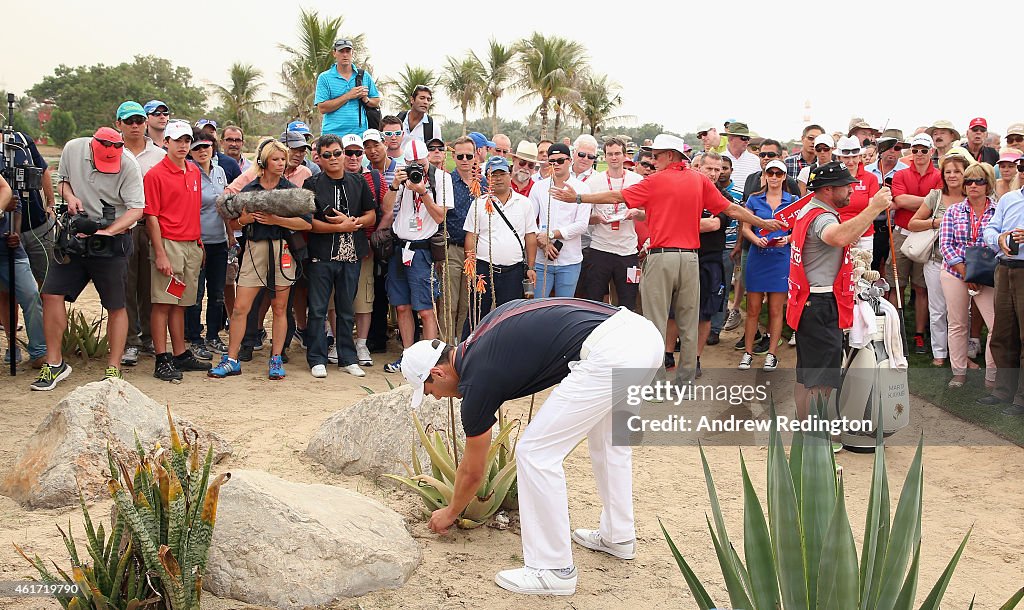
(498, 70)
(599, 97)
(309, 59)
(463, 81)
(548, 69)
(239, 100)
(399, 90)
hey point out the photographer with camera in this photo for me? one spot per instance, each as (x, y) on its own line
(104, 195)
(37, 214)
(26, 293)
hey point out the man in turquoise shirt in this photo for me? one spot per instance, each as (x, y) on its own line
(339, 99)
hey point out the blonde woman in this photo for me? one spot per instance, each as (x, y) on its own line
(264, 262)
(962, 226)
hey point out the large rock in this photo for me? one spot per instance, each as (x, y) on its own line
(69, 449)
(375, 435)
(292, 545)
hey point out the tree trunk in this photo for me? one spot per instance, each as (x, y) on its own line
(558, 122)
(464, 119)
(543, 118)
(494, 116)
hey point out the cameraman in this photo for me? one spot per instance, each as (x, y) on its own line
(93, 169)
(37, 216)
(25, 290)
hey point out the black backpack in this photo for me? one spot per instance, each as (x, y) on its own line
(373, 115)
(428, 129)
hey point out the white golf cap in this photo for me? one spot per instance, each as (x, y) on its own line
(664, 141)
(351, 140)
(824, 139)
(414, 150)
(776, 164)
(177, 129)
(922, 139)
(417, 362)
(848, 147)
(372, 134)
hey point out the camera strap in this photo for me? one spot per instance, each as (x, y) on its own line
(522, 245)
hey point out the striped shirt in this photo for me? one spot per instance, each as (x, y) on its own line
(960, 228)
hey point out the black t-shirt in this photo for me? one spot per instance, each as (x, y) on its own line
(261, 232)
(713, 241)
(493, 367)
(349, 195)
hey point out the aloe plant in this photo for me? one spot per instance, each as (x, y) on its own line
(802, 555)
(436, 485)
(84, 338)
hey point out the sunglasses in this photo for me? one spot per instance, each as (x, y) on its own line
(768, 155)
(391, 134)
(233, 140)
(331, 155)
(134, 120)
(108, 143)
(160, 113)
(464, 156)
(979, 129)
(202, 146)
(822, 148)
(524, 163)
(1014, 139)
(503, 151)
(559, 160)
(648, 165)
(849, 152)
(919, 151)
(744, 138)
(435, 148)
(701, 134)
(975, 181)
(583, 155)
(774, 173)
(899, 147)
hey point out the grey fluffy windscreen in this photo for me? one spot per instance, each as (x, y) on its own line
(287, 203)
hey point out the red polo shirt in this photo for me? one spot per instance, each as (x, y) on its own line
(525, 191)
(863, 190)
(175, 196)
(674, 199)
(910, 182)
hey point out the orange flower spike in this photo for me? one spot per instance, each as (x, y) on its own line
(489, 205)
(469, 267)
(481, 286)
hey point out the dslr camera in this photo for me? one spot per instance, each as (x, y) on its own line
(76, 235)
(414, 171)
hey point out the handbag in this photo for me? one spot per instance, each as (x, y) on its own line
(980, 262)
(919, 245)
(383, 243)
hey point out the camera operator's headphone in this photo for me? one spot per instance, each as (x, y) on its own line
(259, 153)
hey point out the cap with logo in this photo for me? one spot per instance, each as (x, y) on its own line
(372, 134)
(414, 151)
(824, 139)
(978, 122)
(351, 140)
(943, 124)
(293, 139)
(848, 146)
(775, 163)
(130, 108)
(204, 122)
(922, 139)
(105, 156)
(558, 148)
(480, 140)
(527, 151)
(832, 173)
(298, 126)
(153, 105)
(177, 129)
(496, 163)
(342, 43)
(416, 364)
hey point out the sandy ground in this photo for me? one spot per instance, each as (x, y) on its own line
(979, 483)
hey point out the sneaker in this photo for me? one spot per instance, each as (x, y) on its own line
(670, 361)
(245, 353)
(299, 337)
(148, 349)
(276, 370)
(363, 355)
(188, 361)
(733, 320)
(742, 343)
(713, 339)
(131, 356)
(592, 540)
(354, 370)
(973, 347)
(112, 372)
(332, 354)
(919, 347)
(530, 581)
(216, 346)
(771, 362)
(200, 352)
(792, 339)
(393, 367)
(698, 373)
(17, 355)
(836, 446)
(319, 371)
(164, 369)
(746, 361)
(761, 347)
(49, 375)
(262, 340)
(226, 368)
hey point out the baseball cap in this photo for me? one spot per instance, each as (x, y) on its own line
(351, 140)
(293, 139)
(664, 141)
(152, 105)
(433, 140)
(298, 126)
(704, 127)
(975, 122)
(414, 151)
(832, 173)
(177, 129)
(776, 164)
(496, 163)
(372, 134)
(130, 108)
(557, 148)
(921, 139)
(342, 43)
(824, 139)
(480, 140)
(107, 159)
(204, 122)
(848, 146)
(1010, 155)
(416, 364)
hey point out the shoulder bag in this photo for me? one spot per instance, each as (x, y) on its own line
(919, 245)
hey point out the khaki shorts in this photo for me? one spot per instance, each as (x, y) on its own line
(254, 266)
(186, 260)
(906, 267)
(364, 290)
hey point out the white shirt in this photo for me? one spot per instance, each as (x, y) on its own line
(569, 218)
(406, 226)
(743, 166)
(493, 232)
(416, 133)
(602, 237)
(585, 176)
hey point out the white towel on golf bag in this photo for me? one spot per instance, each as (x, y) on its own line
(863, 324)
(893, 338)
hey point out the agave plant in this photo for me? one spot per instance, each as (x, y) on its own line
(803, 556)
(82, 337)
(497, 490)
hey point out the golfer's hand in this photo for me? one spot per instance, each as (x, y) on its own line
(566, 193)
(882, 199)
(440, 520)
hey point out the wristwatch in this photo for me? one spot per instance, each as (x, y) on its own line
(392, 187)
(579, 199)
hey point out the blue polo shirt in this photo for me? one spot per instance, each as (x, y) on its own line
(456, 218)
(348, 118)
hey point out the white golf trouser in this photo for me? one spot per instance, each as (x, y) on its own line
(629, 348)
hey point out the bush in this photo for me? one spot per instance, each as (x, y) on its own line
(62, 127)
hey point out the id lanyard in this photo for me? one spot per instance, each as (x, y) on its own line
(416, 223)
(615, 224)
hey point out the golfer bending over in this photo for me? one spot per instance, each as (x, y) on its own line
(586, 344)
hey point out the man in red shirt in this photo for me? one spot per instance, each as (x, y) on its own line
(909, 187)
(173, 200)
(673, 198)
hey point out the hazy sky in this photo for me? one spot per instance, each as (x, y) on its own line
(679, 64)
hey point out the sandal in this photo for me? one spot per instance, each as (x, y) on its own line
(957, 381)
(939, 362)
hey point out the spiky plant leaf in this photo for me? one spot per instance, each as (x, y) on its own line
(784, 525)
(757, 546)
(837, 582)
(904, 534)
(939, 589)
(700, 594)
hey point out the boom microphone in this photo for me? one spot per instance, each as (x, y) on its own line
(287, 203)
